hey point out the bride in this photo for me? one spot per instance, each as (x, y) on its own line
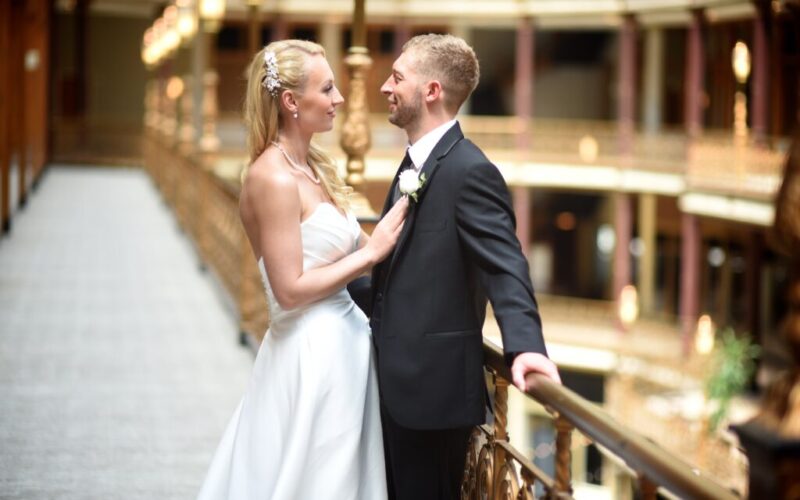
(308, 425)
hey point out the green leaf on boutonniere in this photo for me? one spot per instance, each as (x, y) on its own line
(415, 194)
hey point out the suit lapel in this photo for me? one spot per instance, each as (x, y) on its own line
(445, 144)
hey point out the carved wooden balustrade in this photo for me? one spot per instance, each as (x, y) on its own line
(496, 470)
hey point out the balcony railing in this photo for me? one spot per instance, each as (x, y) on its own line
(497, 470)
(716, 162)
(206, 207)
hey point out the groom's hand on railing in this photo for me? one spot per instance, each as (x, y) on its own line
(529, 362)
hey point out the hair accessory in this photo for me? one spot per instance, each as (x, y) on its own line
(271, 81)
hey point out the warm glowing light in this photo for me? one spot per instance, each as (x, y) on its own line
(158, 50)
(704, 335)
(565, 221)
(174, 88)
(147, 46)
(171, 15)
(628, 305)
(740, 58)
(212, 9)
(187, 25)
(606, 239)
(588, 149)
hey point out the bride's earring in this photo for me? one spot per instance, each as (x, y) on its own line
(295, 115)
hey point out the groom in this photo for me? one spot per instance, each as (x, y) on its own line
(458, 248)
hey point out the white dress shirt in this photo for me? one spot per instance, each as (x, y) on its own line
(421, 150)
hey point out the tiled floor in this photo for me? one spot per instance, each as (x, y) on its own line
(119, 363)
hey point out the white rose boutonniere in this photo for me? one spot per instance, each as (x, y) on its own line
(410, 183)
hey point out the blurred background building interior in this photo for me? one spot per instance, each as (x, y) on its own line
(645, 144)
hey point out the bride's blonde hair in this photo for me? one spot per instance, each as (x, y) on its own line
(262, 106)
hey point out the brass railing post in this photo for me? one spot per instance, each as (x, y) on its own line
(355, 139)
(209, 142)
(500, 461)
(186, 130)
(563, 483)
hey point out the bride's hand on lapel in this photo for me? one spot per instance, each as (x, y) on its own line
(529, 362)
(387, 231)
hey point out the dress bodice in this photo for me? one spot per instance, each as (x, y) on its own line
(327, 236)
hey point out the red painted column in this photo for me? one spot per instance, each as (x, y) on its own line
(402, 33)
(689, 300)
(280, 30)
(690, 277)
(626, 106)
(523, 107)
(626, 89)
(623, 223)
(760, 99)
(694, 79)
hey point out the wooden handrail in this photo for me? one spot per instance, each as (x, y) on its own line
(639, 453)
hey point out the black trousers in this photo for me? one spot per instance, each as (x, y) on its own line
(423, 464)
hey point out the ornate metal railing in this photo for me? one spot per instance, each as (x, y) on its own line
(206, 206)
(737, 166)
(496, 470)
(714, 162)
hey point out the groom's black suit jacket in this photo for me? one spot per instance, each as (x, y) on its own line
(457, 248)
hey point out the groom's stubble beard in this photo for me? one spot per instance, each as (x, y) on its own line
(406, 116)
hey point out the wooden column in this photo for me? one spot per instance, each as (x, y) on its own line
(253, 29)
(623, 224)
(523, 109)
(626, 108)
(694, 80)
(690, 277)
(81, 66)
(402, 34)
(759, 100)
(331, 39)
(653, 80)
(647, 261)
(37, 65)
(753, 282)
(5, 117)
(280, 29)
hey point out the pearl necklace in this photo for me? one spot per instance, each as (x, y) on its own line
(294, 164)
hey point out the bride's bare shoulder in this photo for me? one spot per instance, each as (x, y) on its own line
(267, 176)
(268, 172)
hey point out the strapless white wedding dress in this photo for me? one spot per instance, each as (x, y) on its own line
(308, 426)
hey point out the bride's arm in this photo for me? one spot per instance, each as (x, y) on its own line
(278, 211)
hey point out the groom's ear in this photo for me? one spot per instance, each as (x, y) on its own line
(433, 91)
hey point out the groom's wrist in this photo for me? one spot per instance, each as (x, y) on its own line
(510, 356)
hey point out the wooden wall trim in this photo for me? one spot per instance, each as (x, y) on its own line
(37, 24)
(5, 117)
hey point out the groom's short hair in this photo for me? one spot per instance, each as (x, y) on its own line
(450, 60)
